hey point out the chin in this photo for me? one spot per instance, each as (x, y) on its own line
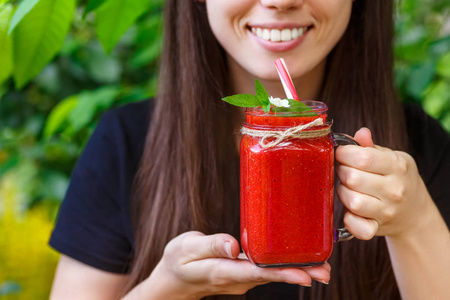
(266, 73)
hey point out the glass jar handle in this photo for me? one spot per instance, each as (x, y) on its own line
(341, 139)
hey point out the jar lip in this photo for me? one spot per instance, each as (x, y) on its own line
(282, 128)
(317, 106)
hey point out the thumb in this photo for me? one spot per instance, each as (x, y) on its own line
(364, 137)
(213, 246)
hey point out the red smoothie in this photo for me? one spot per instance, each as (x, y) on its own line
(286, 194)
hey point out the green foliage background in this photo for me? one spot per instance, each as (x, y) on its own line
(64, 62)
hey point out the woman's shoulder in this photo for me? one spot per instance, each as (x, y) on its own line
(125, 126)
(95, 211)
(131, 117)
(133, 111)
(429, 144)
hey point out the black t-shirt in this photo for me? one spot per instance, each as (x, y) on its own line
(94, 224)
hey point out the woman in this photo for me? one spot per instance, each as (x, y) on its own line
(178, 240)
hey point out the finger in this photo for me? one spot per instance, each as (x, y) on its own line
(364, 137)
(227, 272)
(198, 246)
(327, 267)
(300, 276)
(360, 204)
(320, 274)
(361, 181)
(374, 160)
(253, 273)
(383, 187)
(361, 228)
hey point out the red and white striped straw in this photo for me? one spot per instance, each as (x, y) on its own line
(286, 79)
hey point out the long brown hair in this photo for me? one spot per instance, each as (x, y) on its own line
(188, 177)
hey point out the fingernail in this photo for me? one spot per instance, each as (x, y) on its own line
(228, 249)
(324, 282)
(305, 284)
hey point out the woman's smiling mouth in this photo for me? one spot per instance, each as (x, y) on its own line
(278, 35)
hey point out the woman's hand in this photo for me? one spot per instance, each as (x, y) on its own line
(381, 189)
(195, 265)
(385, 195)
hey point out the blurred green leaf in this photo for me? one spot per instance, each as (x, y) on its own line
(446, 122)
(149, 40)
(40, 139)
(6, 54)
(39, 36)
(443, 67)
(420, 77)
(60, 153)
(133, 95)
(114, 17)
(8, 165)
(149, 29)
(93, 5)
(437, 98)
(59, 115)
(89, 103)
(22, 10)
(156, 5)
(71, 44)
(49, 79)
(147, 54)
(53, 185)
(440, 46)
(413, 36)
(101, 67)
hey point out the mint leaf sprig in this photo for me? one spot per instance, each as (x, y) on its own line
(261, 99)
(262, 96)
(248, 100)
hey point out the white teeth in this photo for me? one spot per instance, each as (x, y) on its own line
(259, 32)
(286, 35)
(275, 35)
(266, 34)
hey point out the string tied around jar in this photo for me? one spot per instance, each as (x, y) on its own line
(297, 132)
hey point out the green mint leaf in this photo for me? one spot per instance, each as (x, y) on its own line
(297, 106)
(243, 100)
(261, 93)
(266, 108)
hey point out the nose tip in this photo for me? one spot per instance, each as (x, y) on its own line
(281, 4)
